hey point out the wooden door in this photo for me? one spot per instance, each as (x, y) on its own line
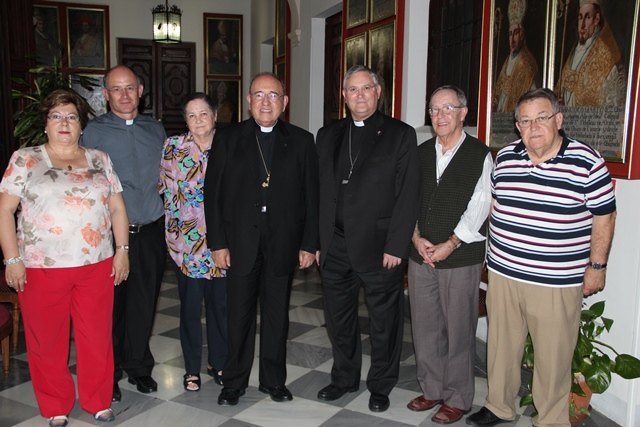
(176, 80)
(167, 72)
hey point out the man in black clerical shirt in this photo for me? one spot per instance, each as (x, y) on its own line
(369, 194)
(261, 208)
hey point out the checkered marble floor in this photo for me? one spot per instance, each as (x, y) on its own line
(308, 363)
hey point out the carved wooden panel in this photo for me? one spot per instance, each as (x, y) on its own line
(167, 72)
(137, 54)
(176, 72)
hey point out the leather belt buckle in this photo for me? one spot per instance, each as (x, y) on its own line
(134, 228)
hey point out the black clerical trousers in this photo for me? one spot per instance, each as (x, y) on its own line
(243, 293)
(134, 304)
(383, 294)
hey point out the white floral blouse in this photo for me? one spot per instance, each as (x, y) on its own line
(63, 217)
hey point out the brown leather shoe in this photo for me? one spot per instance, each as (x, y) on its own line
(421, 404)
(448, 414)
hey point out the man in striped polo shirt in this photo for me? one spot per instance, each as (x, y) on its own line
(551, 227)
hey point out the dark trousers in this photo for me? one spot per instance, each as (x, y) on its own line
(384, 299)
(214, 293)
(135, 300)
(243, 293)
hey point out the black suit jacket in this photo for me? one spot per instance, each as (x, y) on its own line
(232, 196)
(382, 197)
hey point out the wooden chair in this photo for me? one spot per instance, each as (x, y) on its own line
(6, 327)
(9, 295)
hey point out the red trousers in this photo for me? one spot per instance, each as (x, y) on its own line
(52, 300)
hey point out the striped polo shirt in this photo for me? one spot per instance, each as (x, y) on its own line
(540, 226)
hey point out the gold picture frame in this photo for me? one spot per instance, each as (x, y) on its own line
(46, 32)
(596, 104)
(227, 95)
(382, 59)
(88, 37)
(518, 60)
(597, 110)
(381, 9)
(280, 47)
(357, 12)
(223, 44)
(355, 51)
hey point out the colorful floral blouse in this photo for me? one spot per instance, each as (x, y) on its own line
(182, 172)
(63, 217)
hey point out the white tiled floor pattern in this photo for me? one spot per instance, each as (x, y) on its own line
(308, 371)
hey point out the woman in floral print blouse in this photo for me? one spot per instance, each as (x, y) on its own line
(182, 172)
(61, 259)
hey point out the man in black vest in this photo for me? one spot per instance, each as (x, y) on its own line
(446, 258)
(369, 192)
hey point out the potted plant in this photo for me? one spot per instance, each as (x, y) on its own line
(28, 123)
(592, 364)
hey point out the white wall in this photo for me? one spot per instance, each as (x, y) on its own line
(621, 402)
(307, 64)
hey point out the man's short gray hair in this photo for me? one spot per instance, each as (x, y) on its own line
(356, 69)
(462, 98)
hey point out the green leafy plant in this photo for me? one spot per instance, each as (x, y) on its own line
(28, 128)
(591, 362)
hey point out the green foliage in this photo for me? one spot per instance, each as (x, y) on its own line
(29, 128)
(590, 359)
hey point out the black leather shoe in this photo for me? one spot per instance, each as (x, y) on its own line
(378, 402)
(332, 392)
(144, 384)
(117, 394)
(278, 393)
(484, 418)
(229, 396)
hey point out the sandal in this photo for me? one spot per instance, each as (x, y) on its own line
(217, 375)
(105, 416)
(191, 382)
(58, 421)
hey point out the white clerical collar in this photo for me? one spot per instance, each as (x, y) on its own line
(266, 129)
(129, 122)
(358, 123)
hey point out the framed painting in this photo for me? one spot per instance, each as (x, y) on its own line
(518, 61)
(355, 51)
(89, 86)
(357, 12)
(223, 44)
(88, 37)
(228, 98)
(281, 28)
(46, 31)
(381, 9)
(382, 42)
(593, 53)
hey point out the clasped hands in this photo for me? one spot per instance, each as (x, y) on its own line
(430, 253)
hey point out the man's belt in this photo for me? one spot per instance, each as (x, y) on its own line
(137, 228)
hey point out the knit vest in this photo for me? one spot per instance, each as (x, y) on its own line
(442, 204)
